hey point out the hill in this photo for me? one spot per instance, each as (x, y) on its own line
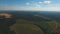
(47, 26)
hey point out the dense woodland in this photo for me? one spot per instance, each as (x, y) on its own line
(24, 22)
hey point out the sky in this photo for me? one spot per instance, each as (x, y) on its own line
(36, 5)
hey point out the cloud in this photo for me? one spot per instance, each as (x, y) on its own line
(47, 2)
(40, 2)
(27, 3)
(37, 5)
(36, 8)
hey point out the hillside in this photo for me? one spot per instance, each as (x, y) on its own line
(47, 26)
(26, 29)
(29, 23)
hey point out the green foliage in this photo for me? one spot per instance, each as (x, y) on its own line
(21, 21)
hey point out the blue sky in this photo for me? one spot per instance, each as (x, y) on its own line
(44, 5)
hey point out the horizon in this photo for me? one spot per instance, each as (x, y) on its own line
(30, 10)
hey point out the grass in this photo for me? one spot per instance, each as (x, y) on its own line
(26, 29)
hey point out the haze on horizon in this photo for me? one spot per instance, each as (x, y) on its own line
(39, 5)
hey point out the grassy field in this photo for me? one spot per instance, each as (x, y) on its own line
(28, 27)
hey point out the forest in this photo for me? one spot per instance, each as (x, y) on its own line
(29, 22)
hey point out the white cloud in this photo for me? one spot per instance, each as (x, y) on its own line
(36, 8)
(37, 5)
(40, 2)
(27, 3)
(47, 2)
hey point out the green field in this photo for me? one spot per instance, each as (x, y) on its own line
(28, 27)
